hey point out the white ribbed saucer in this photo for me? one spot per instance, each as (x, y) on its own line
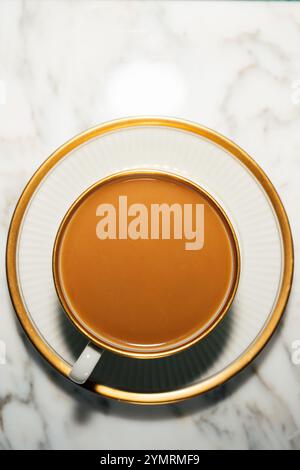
(211, 166)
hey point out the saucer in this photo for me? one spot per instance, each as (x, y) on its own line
(207, 159)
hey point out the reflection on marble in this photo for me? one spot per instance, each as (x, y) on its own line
(66, 66)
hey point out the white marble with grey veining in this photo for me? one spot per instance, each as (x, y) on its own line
(67, 65)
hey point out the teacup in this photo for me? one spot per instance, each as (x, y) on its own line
(145, 264)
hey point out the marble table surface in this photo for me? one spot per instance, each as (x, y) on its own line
(68, 65)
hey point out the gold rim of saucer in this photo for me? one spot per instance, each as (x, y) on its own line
(228, 299)
(265, 334)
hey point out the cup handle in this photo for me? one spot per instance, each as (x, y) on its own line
(85, 364)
